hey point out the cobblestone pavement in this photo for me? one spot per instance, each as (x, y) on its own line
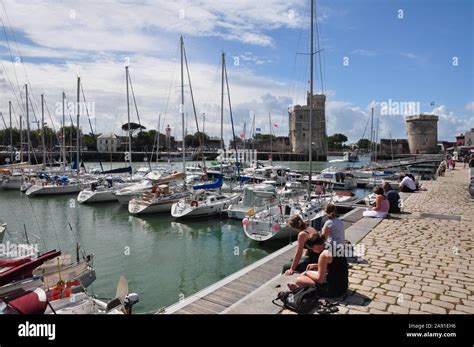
(415, 263)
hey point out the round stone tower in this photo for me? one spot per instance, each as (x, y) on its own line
(422, 134)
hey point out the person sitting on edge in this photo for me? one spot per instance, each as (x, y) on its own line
(393, 198)
(333, 229)
(304, 231)
(380, 210)
(330, 276)
(407, 185)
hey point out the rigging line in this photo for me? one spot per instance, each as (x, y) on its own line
(39, 227)
(36, 121)
(20, 103)
(21, 61)
(319, 48)
(232, 122)
(201, 138)
(164, 109)
(293, 80)
(134, 100)
(90, 124)
(213, 87)
(15, 40)
(11, 55)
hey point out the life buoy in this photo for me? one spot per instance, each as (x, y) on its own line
(194, 203)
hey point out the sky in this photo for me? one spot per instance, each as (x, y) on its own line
(380, 54)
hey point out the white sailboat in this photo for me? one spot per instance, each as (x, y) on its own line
(63, 184)
(271, 223)
(3, 229)
(158, 202)
(202, 204)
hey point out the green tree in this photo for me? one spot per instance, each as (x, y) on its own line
(133, 127)
(336, 141)
(263, 137)
(363, 143)
(90, 141)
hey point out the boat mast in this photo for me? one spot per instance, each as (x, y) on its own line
(222, 110)
(245, 130)
(21, 138)
(372, 134)
(77, 125)
(11, 131)
(253, 137)
(128, 117)
(42, 131)
(310, 155)
(376, 138)
(63, 150)
(157, 140)
(271, 138)
(27, 124)
(182, 103)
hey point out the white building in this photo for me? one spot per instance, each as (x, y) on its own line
(108, 143)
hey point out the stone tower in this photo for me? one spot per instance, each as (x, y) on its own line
(299, 127)
(422, 133)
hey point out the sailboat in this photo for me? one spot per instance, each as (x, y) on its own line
(161, 197)
(61, 184)
(271, 223)
(3, 229)
(205, 202)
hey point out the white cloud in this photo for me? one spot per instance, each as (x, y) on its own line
(470, 106)
(130, 27)
(450, 124)
(364, 52)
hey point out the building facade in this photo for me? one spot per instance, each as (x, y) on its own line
(469, 138)
(422, 134)
(299, 127)
(108, 143)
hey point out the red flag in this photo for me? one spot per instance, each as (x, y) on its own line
(242, 136)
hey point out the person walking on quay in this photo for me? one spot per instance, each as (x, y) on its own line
(304, 232)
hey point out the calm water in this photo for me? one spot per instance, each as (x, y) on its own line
(161, 259)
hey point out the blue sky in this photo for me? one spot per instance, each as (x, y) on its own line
(389, 58)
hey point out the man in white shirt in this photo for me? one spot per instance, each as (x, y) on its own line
(407, 185)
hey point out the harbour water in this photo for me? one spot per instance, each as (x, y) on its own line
(162, 259)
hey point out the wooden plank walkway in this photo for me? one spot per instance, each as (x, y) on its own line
(218, 297)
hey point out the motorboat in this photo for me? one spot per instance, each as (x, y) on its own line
(255, 198)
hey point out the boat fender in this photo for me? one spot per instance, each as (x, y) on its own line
(194, 203)
(250, 212)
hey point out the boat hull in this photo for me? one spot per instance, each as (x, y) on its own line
(53, 190)
(88, 196)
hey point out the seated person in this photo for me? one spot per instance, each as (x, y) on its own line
(304, 232)
(330, 276)
(393, 198)
(333, 228)
(407, 185)
(380, 210)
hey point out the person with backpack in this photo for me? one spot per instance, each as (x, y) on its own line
(330, 275)
(304, 232)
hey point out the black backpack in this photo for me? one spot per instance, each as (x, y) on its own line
(300, 300)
